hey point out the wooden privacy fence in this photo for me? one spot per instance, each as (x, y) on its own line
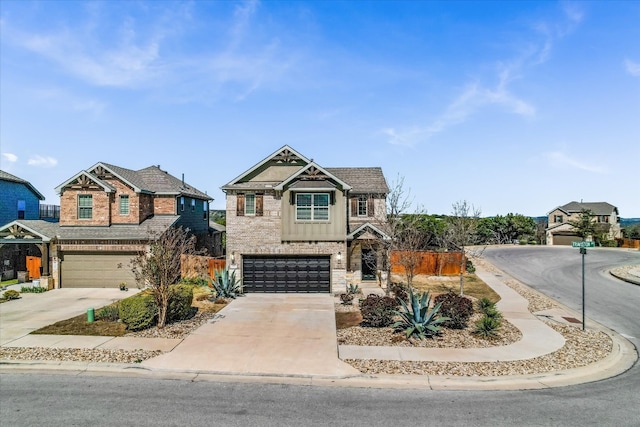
(429, 262)
(197, 266)
(629, 243)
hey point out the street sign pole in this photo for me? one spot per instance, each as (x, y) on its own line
(583, 245)
(583, 251)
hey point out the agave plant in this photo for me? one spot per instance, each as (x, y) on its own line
(353, 289)
(225, 285)
(418, 320)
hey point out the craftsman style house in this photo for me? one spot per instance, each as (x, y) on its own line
(107, 215)
(295, 226)
(560, 231)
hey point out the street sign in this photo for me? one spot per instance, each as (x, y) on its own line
(582, 244)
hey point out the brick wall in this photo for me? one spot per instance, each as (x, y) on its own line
(100, 210)
(260, 235)
(165, 205)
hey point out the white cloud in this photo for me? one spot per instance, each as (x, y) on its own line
(632, 68)
(42, 161)
(11, 158)
(561, 160)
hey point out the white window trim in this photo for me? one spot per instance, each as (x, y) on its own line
(312, 207)
(89, 208)
(366, 206)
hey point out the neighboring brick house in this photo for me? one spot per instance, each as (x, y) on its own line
(560, 232)
(107, 214)
(295, 226)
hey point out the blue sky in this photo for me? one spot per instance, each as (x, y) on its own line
(513, 106)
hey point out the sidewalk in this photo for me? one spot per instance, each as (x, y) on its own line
(291, 339)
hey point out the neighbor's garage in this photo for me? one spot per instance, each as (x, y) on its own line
(96, 270)
(303, 274)
(565, 239)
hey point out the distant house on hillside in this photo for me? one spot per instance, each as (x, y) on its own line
(560, 231)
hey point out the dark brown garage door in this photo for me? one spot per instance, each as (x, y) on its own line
(286, 274)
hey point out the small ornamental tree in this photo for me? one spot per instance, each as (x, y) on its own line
(583, 225)
(159, 266)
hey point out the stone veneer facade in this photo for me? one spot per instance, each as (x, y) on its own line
(261, 235)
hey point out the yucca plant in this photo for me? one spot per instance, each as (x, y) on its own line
(418, 320)
(225, 284)
(353, 289)
(484, 304)
(487, 327)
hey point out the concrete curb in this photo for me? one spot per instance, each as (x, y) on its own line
(625, 278)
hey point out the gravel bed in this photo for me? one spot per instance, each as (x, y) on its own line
(581, 349)
(77, 354)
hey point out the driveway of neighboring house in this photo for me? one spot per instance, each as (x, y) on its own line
(34, 311)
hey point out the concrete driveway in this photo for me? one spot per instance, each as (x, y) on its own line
(34, 311)
(264, 334)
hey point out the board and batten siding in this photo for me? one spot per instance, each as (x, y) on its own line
(332, 230)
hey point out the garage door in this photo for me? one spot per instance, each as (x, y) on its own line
(286, 274)
(564, 239)
(96, 270)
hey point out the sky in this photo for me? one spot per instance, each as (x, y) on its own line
(516, 106)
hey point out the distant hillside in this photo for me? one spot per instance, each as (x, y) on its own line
(626, 222)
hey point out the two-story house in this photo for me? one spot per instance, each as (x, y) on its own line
(295, 226)
(107, 215)
(560, 232)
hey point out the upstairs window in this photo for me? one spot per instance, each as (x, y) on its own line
(312, 207)
(124, 204)
(249, 204)
(193, 205)
(362, 206)
(22, 208)
(85, 206)
(181, 204)
(557, 218)
(205, 209)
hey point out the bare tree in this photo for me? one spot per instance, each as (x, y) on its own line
(463, 224)
(159, 266)
(403, 233)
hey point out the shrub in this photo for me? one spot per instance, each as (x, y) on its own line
(469, 266)
(11, 294)
(419, 320)
(108, 313)
(194, 281)
(487, 327)
(456, 307)
(138, 312)
(33, 290)
(347, 298)
(484, 304)
(226, 285)
(493, 313)
(400, 291)
(377, 311)
(180, 300)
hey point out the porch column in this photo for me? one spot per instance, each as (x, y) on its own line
(45, 259)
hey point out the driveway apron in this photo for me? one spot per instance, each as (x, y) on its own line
(264, 334)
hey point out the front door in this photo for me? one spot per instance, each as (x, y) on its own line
(369, 264)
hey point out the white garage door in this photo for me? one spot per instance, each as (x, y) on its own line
(96, 270)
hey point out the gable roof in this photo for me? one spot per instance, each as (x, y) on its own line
(285, 154)
(367, 227)
(6, 176)
(598, 208)
(314, 168)
(357, 179)
(150, 180)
